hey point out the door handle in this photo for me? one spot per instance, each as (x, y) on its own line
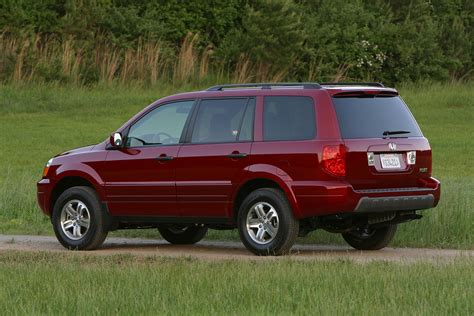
(237, 155)
(164, 158)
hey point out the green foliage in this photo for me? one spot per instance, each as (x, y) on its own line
(340, 36)
(392, 41)
(269, 31)
(456, 26)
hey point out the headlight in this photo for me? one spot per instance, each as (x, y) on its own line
(46, 168)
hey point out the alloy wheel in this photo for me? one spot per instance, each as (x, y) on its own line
(262, 223)
(75, 219)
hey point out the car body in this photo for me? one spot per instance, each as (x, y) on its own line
(202, 176)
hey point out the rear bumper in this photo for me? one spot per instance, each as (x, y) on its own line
(394, 203)
(321, 198)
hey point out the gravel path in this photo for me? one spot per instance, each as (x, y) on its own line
(219, 250)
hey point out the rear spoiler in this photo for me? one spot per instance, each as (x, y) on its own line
(366, 93)
(369, 84)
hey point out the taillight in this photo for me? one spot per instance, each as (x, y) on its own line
(334, 160)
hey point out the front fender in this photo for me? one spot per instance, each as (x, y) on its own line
(84, 171)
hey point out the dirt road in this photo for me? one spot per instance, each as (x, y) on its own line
(217, 250)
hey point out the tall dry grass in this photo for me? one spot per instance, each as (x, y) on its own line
(40, 58)
(18, 71)
(185, 65)
(107, 61)
(243, 70)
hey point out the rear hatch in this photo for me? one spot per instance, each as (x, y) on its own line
(385, 148)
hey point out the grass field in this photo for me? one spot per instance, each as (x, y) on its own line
(45, 283)
(37, 122)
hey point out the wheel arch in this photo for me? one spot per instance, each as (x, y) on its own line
(69, 181)
(263, 181)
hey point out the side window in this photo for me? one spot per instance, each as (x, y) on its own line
(162, 125)
(219, 121)
(288, 118)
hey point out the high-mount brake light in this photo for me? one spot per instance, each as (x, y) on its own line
(334, 160)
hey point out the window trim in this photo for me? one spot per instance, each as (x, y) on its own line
(315, 136)
(126, 131)
(190, 131)
(252, 122)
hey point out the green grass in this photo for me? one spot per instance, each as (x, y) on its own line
(37, 122)
(45, 283)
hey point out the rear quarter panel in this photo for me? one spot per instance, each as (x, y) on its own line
(295, 165)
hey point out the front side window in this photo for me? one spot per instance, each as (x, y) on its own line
(288, 118)
(161, 126)
(224, 120)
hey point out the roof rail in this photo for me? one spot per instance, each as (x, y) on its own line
(370, 84)
(305, 85)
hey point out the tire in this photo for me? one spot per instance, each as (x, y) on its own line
(376, 239)
(87, 238)
(251, 221)
(183, 235)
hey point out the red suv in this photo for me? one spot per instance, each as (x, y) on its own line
(276, 161)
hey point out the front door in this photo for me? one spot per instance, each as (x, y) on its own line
(210, 164)
(140, 178)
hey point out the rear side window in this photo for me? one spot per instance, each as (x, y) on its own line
(223, 120)
(371, 117)
(288, 118)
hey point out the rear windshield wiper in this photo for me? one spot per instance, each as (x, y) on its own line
(388, 133)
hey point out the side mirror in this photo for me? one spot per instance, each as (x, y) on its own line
(116, 140)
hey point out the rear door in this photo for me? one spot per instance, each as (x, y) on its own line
(385, 146)
(217, 151)
(288, 134)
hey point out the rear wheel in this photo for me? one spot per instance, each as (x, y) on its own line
(183, 234)
(368, 238)
(78, 219)
(266, 223)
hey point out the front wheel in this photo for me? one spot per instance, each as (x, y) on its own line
(78, 219)
(368, 238)
(182, 235)
(266, 223)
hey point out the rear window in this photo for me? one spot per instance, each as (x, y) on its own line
(288, 118)
(371, 117)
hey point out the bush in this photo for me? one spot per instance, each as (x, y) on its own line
(239, 40)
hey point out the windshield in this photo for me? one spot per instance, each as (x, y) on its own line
(374, 117)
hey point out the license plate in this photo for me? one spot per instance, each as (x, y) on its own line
(390, 161)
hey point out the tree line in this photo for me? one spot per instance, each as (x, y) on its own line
(92, 41)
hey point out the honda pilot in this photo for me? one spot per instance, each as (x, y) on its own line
(275, 161)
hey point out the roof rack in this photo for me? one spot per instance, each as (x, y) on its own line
(370, 84)
(304, 85)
